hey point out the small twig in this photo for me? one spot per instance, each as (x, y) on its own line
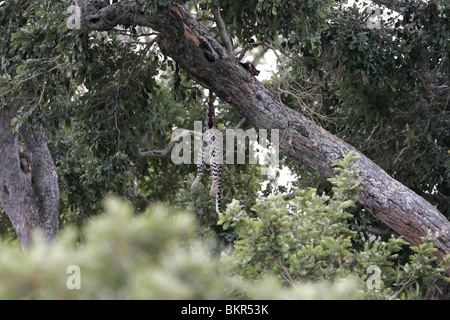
(140, 35)
(42, 94)
(247, 47)
(240, 124)
(286, 272)
(16, 83)
(148, 45)
(135, 42)
(223, 31)
(286, 275)
(164, 152)
(137, 194)
(370, 229)
(400, 154)
(39, 73)
(392, 297)
(371, 134)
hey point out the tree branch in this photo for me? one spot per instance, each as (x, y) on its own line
(223, 31)
(164, 152)
(240, 124)
(387, 199)
(248, 47)
(137, 194)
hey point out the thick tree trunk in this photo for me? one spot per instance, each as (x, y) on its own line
(28, 204)
(387, 199)
(17, 197)
(45, 180)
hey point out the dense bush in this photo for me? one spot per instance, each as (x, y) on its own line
(308, 238)
(294, 249)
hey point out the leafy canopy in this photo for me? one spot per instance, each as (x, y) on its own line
(296, 249)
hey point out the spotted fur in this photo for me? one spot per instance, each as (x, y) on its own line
(211, 152)
(250, 68)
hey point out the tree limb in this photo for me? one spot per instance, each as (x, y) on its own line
(223, 31)
(248, 47)
(387, 199)
(164, 152)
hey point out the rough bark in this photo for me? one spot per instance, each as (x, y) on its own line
(28, 205)
(387, 199)
(45, 180)
(17, 197)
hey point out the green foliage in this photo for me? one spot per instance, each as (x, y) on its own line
(308, 238)
(155, 255)
(35, 43)
(295, 249)
(298, 22)
(384, 89)
(100, 99)
(152, 4)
